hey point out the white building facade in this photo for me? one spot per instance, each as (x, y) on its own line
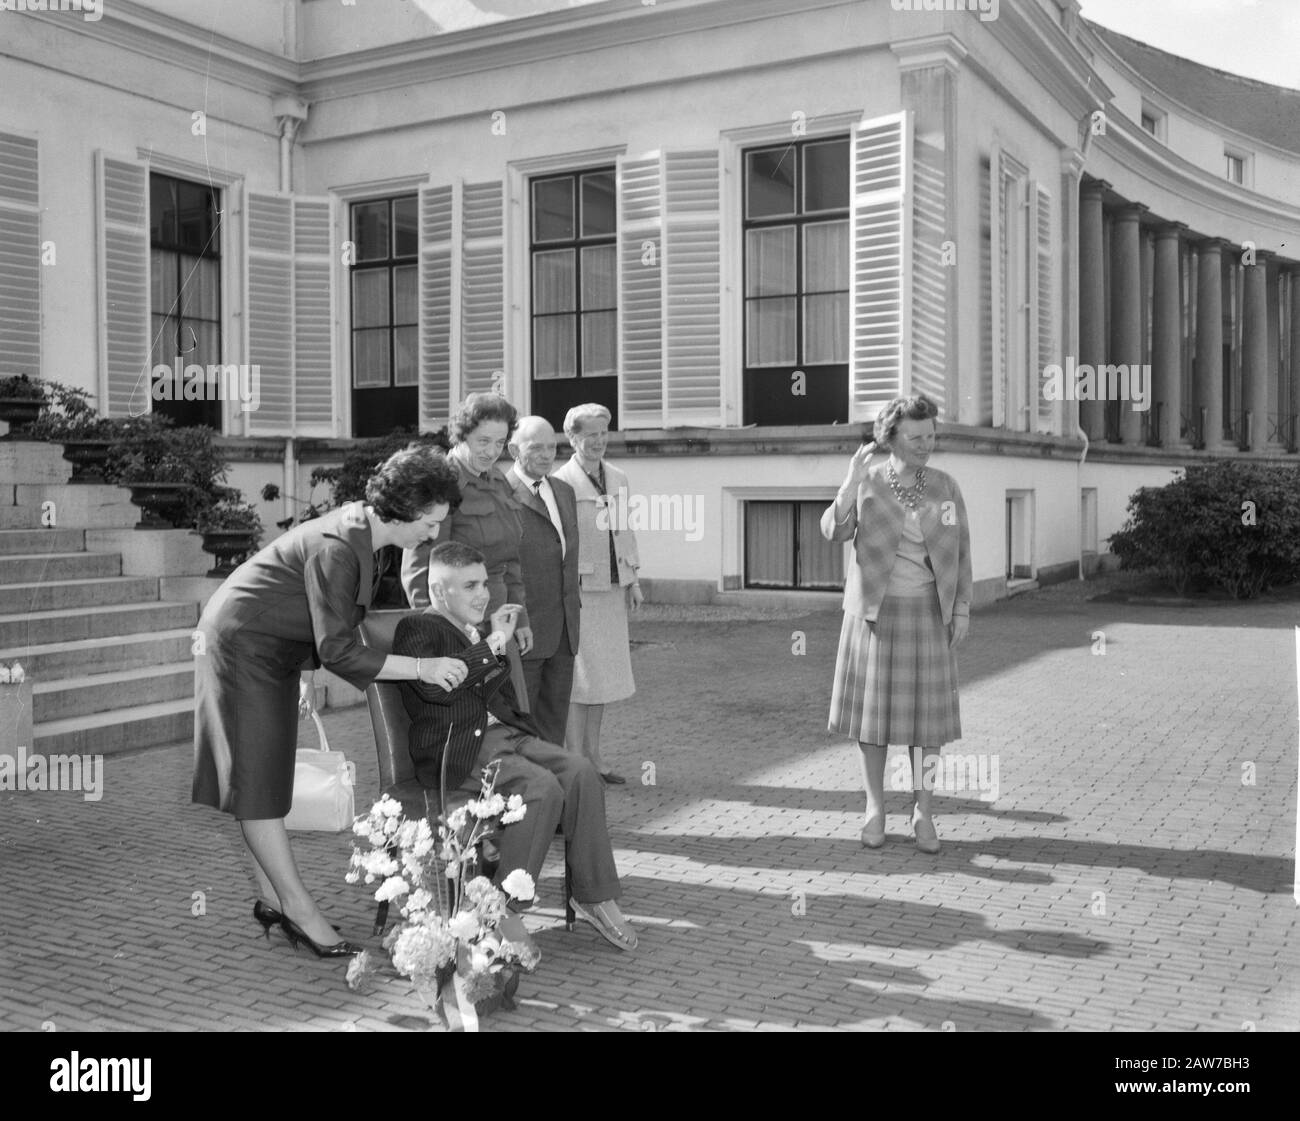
(742, 225)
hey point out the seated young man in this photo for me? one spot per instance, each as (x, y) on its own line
(478, 708)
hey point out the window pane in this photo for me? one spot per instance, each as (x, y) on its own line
(769, 182)
(162, 210)
(162, 281)
(770, 338)
(370, 358)
(821, 564)
(406, 235)
(826, 329)
(826, 175)
(406, 294)
(553, 281)
(598, 343)
(162, 346)
(598, 204)
(202, 279)
(553, 209)
(196, 218)
(769, 543)
(205, 338)
(826, 257)
(406, 355)
(370, 230)
(554, 349)
(599, 285)
(370, 298)
(770, 262)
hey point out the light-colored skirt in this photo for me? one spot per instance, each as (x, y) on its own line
(602, 671)
(896, 678)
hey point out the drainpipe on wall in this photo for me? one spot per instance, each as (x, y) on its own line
(290, 112)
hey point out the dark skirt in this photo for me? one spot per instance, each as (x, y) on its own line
(896, 678)
(246, 720)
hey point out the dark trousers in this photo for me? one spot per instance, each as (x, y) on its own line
(560, 790)
(550, 684)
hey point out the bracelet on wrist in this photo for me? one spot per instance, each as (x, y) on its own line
(417, 669)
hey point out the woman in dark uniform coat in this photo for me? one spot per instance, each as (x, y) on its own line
(296, 604)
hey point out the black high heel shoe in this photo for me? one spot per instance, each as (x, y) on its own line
(268, 917)
(296, 934)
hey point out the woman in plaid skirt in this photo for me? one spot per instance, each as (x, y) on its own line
(906, 606)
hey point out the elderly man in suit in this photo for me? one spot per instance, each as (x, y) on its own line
(457, 731)
(548, 560)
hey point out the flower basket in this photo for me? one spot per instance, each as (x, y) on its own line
(453, 941)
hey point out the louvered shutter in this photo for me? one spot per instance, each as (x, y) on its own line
(880, 233)
(692, 264)
(482, 287)
(20, 257)
(123, 267)
(1042, 315)
(929, 273)
(435, 306)
(997, 285)
(268, 259)
(640, 292)
(313, 317)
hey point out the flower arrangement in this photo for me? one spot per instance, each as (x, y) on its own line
(451, 916)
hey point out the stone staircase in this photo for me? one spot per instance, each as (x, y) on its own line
(100, 616)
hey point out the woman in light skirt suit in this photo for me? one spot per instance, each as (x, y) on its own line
(292, 606)
(906, 607)
(607, 576)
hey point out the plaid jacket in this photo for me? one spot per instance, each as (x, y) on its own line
(876, 528)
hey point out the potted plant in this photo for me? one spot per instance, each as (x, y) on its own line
(450, 942)
(174, 473)
(231, 531)
(21, 401)
(72, 421)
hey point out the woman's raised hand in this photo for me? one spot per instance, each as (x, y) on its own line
(858, 464)
(447, 673)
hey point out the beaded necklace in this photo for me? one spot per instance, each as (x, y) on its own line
(908, 496)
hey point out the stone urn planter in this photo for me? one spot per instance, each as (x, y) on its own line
(163, 503)
(88, 457)
(20, 413)
(230, 547)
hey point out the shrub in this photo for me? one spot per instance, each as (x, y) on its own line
(70, 416)
(230, 513)
(1232, 525)
(22, 387)
(153, 451)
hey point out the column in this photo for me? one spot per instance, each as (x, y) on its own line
(1293, 350)
(1125, 316)
(1207, 381)
(1092, 298)
(1167, 335)
(1254, 352)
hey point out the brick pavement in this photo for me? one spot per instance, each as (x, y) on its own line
(1124, 878)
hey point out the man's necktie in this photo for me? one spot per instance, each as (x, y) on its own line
(552, 512)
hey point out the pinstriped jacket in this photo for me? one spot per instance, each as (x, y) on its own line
(875, 526)
(463, 711)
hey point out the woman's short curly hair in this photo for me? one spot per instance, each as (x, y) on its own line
(481, 407)
(410, 481)
(916, 407)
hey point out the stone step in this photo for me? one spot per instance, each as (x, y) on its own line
(123, 729)
(33, 461)
(27, 540)
(15, 599)
(106, 692)
(88, 506)
(44, 567)
(113, 652)
(24, 630)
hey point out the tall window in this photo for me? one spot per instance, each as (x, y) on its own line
(797, 283)
(185, 293)
(574, 301)
(385, 315)
(1234, 167)
(784, 547)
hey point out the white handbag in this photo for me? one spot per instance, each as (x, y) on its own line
(323, 783)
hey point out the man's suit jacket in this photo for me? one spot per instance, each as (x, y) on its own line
(462, 711)
(550, 573)
(594, 527)
(875, 525)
